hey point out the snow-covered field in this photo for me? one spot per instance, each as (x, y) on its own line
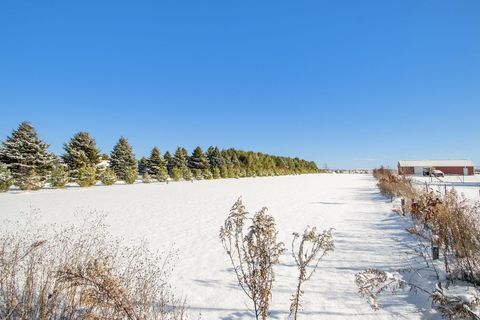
(469, 186)
(187, 216)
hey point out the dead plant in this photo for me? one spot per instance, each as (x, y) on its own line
(253, 249)
(313, 246)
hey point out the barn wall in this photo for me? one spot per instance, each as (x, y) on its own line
(455, 170)
(406, 170)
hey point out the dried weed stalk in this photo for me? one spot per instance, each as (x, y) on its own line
(313, 246)
(253, 249)
(373, 282)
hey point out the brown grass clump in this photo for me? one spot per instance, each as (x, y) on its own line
(455, 224)
(447, 227)
(48, 272)
(451, 223)
(392, 185)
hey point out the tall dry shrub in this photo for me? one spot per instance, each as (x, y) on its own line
(312, 247)
(253, 249)
(446, 221)
(392, 185)
(456, 225)
(81, 272)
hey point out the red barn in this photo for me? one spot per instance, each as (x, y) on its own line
(456, 167)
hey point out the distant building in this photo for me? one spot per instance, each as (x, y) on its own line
(457, 167)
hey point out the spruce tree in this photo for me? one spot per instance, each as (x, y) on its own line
(224, 172)
(207, 174)
(122, 160)
(155, 162)
(86, 176)
(199, 165)
(108, 177)
(216, 173)
(187, 174)
(214, 157)
(157, 165)
(180, 158)
(146, 178)
(26, 157)
(6, 178)
(176, 174)
(81, 151)
(168, 162)
(142, 166)
(180, 165)
(130, 176)
(162, 175)
(59, 176)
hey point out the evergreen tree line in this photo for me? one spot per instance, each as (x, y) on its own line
(26, 162)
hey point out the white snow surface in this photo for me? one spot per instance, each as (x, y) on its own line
(468, 186)
(187, 216)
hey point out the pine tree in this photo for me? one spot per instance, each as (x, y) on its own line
(81, 151)
(229, 166)
(162, 175)
(87, 176)
(169, 162)
(26, 157)
(156, 163)
(216, 173)
(59, 176)
(207, 174)
(6, 178)
(146, 178)
(180, 158)
(122, 160)
(199, 164)
(224, 172)
(130, 176)
(176, 174)
(142, 166)
(180, 165)
(108, 177)
(214, 157)
(187, 174)
(196, 174)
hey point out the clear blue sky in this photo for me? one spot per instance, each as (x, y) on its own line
(347, 83)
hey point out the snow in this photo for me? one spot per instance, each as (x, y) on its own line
(187, 216)
(469, 186)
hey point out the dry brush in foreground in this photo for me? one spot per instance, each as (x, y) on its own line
(252, 246)
(447, 230)
(81, 272)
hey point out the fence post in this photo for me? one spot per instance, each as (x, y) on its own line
(435, 248)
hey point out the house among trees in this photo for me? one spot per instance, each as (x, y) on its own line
(419, 167)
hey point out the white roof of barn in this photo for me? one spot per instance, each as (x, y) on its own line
(435, 163)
